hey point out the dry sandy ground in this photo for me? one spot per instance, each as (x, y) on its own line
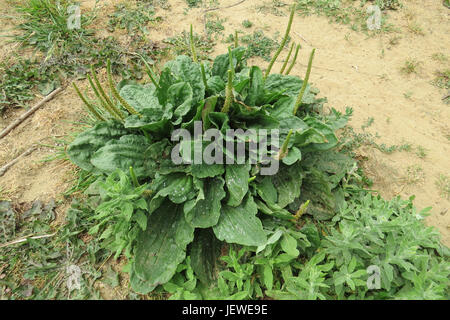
(350, 69)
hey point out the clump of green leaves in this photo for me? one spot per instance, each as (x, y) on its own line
(45, 27)
(247, 24)
(259, 45)
(442, 79)
(410, 66)
(181, 44)
(214, 26)
(346, 12)
(194, 3)
(39, 268)
(352, 140)
(18, 81)
(372, 249)
(272, 224)
(443, 185)
(132, 19)
(121, 214)
(134, 128)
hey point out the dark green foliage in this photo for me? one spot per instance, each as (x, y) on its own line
(221, 197)
(18, 81)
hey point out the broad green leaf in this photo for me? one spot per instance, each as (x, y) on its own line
(240, 224)
(289, 245)
(184, 69)
(178, 187)
(256, 88)
(288, 181)
(142, 98)
(236, 179)
(81, 150)
(205, 212)
(268, 276)
(161, 247)
(207, 170)
(289, 85)
(205, 252)
(128, 151)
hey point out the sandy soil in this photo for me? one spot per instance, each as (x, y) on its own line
(350, 69)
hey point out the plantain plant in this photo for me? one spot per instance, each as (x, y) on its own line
(190, 207)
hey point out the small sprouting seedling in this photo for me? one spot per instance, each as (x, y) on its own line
(443, 185)
(272, 7)
(408, 94)
(410, 66)
(368, 123)
(194, 3)
(439, 57)
(181, 44)
(414, 174)
(415, 28)
(393, 41)
(214, 27)
(442, 79)
(133, 19)
(247, 24)
(421, 152)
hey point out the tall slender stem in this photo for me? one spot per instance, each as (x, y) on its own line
(112, 111)
(284, 149)
(228, 93)
(90, 107)
(202, 68)
(149, 72)
(134, 178)
(287, 58)
(305, 82)
(293, 60)
(191, 41)
(116, 94)
(283, 42)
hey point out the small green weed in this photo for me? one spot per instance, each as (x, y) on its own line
(132, 18)
(194, 3)
(410, 66)
(259, 45)
(443, 185)
(439, 57)
(180, 44)
(442, 79)
(247, 24)
(273, 7)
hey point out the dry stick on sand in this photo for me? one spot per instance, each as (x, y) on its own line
(29, 112)
(13, 162)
